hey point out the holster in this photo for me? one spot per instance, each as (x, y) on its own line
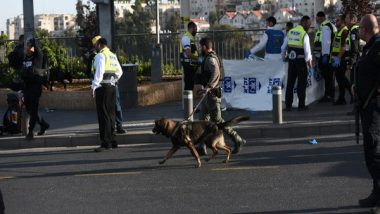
(217, 92)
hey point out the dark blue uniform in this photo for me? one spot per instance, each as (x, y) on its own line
(367, 85)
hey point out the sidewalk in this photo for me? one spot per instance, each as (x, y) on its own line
(76, 128)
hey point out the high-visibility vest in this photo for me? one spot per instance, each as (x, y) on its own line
(349, 36)
(111, 65)
(337, 42)
(275, 40)
(319, 37)
(295, 43)
(193, 48)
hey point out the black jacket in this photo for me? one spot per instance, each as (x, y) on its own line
(368, 65)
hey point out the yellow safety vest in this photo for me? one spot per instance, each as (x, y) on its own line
(337, 42)
(295, 43)
(111, 64)
(318, 37)
(348, 39)
(193, 48)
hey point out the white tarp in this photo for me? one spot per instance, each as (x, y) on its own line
(248, 84)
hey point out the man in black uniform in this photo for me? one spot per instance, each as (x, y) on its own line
(33, 75)
(367, 89)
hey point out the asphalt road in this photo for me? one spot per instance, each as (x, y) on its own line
(269, 176)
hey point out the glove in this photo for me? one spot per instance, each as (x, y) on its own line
(200, 60)
(247, 54)
(336, 62)
(325, 59)
(311, 71)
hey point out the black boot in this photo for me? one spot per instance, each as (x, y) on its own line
(201, 149)
(43, 127)
(29, 136)
(370, 201)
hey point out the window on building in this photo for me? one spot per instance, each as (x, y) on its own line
(39, 23)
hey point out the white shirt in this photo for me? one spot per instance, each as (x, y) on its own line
(262, 44)
(185, 42)
(326, 39)
(99, 64)
(306, 47)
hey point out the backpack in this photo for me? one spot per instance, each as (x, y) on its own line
(12, 116)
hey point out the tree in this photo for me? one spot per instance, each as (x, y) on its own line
(330, 10)
(174, 23)
(87, 20)
(212, 18)
(358, 7)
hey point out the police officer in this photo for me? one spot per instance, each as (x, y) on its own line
(210, 107)
(367, 90)
(118, 110)
(107, 72)
(189, 55)
(338, 55)
(322, 48)
(300, 58)
(272, 40)
(352, 43)
(33, 75)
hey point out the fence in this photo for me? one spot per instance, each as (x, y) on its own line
(228, 44)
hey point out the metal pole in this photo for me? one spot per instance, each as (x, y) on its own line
(188, 103)
(185, 18)
(158, 21)
(28, 19)
(277, 105)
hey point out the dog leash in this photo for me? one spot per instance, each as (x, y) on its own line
(196, 107)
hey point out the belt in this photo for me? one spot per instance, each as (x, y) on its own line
(108, 82)
(189, 61)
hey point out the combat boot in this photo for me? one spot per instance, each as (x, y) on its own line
(238, 142)
(29, 136)
(201, 149)
(370, 201)
(43, 127)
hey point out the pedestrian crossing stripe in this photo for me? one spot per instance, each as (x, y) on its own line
(244, 168)
(108, 174)
(6, 177)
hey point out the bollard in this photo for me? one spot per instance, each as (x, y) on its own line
(188, 104)
(277, 105)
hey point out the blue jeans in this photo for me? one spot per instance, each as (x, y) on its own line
(118, 110)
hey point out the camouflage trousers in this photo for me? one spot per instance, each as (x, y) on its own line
(210, 111)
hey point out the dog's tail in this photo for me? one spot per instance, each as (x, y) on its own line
(233, 121)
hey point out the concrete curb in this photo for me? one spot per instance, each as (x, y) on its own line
(140, 135)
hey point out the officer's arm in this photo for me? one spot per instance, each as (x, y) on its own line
(343, 44)
(213, 65)
(261, 45)
(355, 42)
(284, 47)
(99, 64)
(119, 71)
(307, 50)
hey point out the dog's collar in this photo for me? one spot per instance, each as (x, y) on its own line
(179, 124)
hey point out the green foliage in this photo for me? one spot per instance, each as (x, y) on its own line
(358, 7)
(76, 67)
(174, 23)
(170, 70)
(213, 18)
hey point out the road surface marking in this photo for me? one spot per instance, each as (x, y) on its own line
(6, 177)
(109, 174)
(244, 168)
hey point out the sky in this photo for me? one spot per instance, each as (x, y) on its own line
(12, 8)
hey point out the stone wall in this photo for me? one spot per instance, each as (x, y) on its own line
(149, 94)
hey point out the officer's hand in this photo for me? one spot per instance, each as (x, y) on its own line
(336, 62)
(247, 54)
(93, 94)
(325, 59)
(311, 71)
(353, 89)
(203, 91)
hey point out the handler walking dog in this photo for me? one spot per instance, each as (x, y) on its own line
(189, 133)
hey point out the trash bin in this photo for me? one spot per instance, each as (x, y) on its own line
(128, 86)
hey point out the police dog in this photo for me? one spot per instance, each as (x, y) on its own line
(189, 134)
